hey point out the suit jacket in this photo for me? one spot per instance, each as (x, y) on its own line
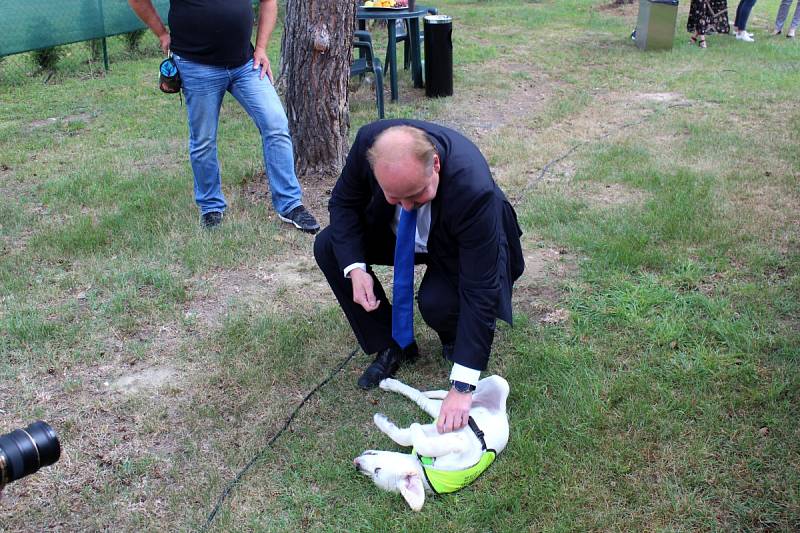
(474, 235)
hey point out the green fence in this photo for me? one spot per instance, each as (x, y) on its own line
(27, 25)
(66, 37)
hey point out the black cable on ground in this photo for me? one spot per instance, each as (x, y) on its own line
(266, 448)
(533, 182)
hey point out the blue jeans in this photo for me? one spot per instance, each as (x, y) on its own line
(743, 13)
(203, 87)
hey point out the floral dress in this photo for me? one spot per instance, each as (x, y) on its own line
(708, 16)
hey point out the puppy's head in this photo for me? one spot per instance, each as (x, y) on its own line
(394, 472)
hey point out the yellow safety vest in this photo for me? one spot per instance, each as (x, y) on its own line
(446, 481)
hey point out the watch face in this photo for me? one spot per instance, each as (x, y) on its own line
(462, 387)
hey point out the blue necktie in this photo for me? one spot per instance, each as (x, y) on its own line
(403, 292)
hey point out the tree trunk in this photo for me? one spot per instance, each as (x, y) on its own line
(315, 56)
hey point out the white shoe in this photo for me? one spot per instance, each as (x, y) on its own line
(744, 37)
(790, 34)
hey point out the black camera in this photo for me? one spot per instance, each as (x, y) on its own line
(24, 451)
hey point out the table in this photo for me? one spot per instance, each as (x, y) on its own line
(391, 16)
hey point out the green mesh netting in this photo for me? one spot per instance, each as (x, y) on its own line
(33, 24)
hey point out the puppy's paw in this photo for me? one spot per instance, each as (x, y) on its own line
(388, 384)
(382, 421)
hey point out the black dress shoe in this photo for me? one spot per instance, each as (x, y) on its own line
(386, 363)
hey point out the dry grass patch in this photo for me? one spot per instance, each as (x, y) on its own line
(538, 292)
(284, 284)
(525, 94)
(768, 212)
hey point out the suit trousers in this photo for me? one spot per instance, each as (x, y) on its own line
(437, 297)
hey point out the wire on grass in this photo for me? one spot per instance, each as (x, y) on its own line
(269, 444)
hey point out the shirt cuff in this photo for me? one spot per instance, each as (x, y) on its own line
(362, 266)
(465, 374)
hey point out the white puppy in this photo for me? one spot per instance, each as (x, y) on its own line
(439, 462)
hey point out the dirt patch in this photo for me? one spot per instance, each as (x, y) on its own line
(283, 285)
(149, 379)
(316, 193)
(488, 112)
(659, 97)
(538, 292)
(769, 211)
(84, 117)
(605, 195)
(629, 10)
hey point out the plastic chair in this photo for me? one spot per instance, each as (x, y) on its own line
(402, 31)
(367, 62)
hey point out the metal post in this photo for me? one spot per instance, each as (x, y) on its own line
(105, 54)
(103, 22)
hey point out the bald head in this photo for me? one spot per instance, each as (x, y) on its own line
(396, 144)
(406, 166)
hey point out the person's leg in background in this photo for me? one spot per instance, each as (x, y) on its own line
(259, 98)
(795, 22)
(740, 24)
(780, 18)
(783, 13)
(204, 87)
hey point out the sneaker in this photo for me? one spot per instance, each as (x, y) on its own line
(386, 363)
(302, 219)
(790, 34)
(744, 37)
(211, 219)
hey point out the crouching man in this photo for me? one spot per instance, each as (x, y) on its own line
(413, 192)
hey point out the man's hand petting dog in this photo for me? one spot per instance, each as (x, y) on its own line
(455, 411)
(363, 293)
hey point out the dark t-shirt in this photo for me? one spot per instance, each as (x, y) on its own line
(212, 32)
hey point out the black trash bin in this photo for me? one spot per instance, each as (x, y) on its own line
(438, 55)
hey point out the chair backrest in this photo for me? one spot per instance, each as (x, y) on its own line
(366, 55)
(367, 62)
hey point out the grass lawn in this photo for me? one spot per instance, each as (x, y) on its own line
(654, 357)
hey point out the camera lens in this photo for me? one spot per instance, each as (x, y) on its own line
(24, 451)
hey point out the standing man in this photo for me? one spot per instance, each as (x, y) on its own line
(210, 43)
(416, 192)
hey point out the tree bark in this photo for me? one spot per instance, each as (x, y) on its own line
(316, 52)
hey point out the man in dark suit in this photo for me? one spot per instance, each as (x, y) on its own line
(466, 234)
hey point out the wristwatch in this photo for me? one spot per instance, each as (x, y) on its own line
(460, 386)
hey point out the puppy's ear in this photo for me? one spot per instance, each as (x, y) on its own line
(412, 489)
